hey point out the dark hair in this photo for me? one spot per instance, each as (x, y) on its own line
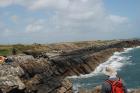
(4, 56)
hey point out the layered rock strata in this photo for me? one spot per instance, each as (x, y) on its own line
(41, 73)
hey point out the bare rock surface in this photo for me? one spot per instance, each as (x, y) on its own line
(41, 73)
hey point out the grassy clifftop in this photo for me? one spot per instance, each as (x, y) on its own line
(7, 49)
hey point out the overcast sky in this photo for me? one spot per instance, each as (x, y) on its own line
(49, 21)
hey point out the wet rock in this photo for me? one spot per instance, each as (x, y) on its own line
(134, 91)
(97, 89)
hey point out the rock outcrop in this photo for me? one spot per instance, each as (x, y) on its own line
(42, 73)
(10, 77)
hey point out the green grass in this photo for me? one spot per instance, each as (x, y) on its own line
(5, 52)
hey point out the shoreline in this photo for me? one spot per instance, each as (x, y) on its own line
(97, 89)
(48, 74)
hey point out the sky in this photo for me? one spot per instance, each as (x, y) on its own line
(53, 21)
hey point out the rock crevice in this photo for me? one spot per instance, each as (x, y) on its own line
(39, 73)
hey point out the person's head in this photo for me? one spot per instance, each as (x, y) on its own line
(110, 71)
(2, 58)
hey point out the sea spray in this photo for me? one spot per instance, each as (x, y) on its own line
(116, 61)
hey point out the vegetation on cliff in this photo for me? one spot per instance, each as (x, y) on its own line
(44, 68)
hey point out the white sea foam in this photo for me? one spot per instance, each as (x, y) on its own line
(138, 47)
(117, 61)
(76, 88)
(126, 50)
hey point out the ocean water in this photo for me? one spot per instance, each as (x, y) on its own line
(127, 64)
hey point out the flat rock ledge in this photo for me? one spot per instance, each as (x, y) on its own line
(47, 74)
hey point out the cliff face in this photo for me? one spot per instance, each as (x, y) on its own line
(46, 74)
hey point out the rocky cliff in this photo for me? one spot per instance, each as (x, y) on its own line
(46, 72)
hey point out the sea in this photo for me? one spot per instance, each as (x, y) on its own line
(127, 64)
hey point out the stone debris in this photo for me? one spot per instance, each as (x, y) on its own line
(36, 73)
(10, 76)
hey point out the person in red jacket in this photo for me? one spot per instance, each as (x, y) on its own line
(113, 84)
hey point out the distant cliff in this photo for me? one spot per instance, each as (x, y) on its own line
(46, 71)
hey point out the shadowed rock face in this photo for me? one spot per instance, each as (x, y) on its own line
(46, 74)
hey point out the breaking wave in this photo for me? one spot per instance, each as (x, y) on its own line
(117, 61)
